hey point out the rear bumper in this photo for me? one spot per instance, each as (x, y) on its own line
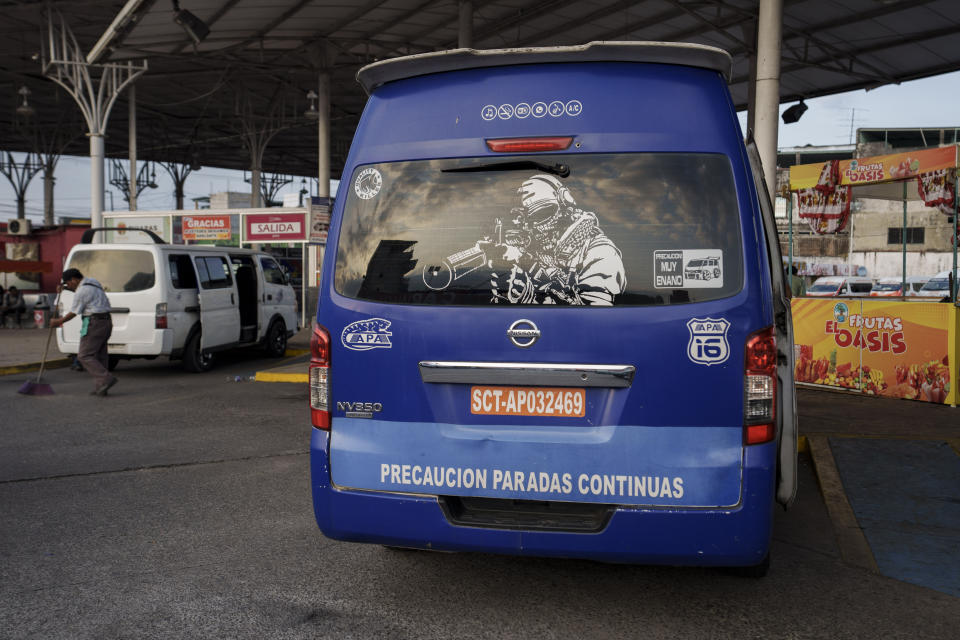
(738, 536)
(160, 344)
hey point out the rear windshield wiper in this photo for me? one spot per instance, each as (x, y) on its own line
(558, 169)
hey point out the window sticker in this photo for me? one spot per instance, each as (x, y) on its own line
(548, 252)
(708, 341)
(556, 109)
(364, 335)
(368, 183)
(688, 269)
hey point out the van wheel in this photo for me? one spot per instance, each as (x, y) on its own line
(707, 275)
(716, 273)
(112, 362)
(275, 343)
(194, 360)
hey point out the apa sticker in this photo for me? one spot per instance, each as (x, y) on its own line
(364, 335)
(688, 269)
(708, 341)
(368, 183)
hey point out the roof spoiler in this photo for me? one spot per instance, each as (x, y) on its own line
(87, 237)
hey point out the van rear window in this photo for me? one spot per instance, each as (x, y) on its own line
(585, 229)
(120, 270)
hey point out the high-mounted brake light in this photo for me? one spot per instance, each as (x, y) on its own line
(760, 387)
(320, 378)
(529, 145)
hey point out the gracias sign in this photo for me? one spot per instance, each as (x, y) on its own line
(206, 228)
(280, 227)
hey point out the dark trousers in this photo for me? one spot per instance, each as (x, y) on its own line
(93, 349)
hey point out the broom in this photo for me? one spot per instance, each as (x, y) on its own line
(37, 388)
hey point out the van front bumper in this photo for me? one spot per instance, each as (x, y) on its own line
(738, 536)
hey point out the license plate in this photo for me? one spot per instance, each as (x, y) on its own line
(545, 402)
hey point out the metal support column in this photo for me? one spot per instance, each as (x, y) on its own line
(132, 139)
(314, 263)
(97, 183)
(769, 30)
(790, 223)
(903, 278)
(956, 204)
(465, 33)
(94, 87)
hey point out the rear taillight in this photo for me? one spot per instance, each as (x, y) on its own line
(320, 378)
(529, 145)
(160, 320)
(760, 388)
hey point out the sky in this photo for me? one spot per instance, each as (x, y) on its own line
(830, 120)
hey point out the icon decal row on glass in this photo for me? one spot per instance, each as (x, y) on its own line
(537, 110)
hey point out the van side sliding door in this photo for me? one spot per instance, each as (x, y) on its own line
(219, 311)
(783, 325)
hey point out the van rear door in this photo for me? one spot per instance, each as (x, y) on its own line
(219, 311)
(515, 328)
(128, 275)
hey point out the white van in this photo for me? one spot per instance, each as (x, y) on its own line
(158, 309)
(892, 287)
(840, 286)
(937, 287)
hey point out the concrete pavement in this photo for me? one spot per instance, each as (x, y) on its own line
(888, 469)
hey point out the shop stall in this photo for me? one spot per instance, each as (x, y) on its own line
(891, 348)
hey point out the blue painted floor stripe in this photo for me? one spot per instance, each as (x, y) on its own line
(906, 496)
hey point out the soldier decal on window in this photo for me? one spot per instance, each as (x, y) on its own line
(548, 252)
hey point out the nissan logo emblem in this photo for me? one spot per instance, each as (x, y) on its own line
(523, 333)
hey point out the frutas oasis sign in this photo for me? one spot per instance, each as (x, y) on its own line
(861, 171)
(888, 348)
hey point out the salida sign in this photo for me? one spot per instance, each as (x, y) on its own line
(285, 227)
(877, 333)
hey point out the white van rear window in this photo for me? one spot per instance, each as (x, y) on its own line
(117, 270)
(584, 229)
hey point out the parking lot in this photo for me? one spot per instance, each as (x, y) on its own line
(179, 506)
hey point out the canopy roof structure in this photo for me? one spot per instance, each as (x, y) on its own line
(258, 61)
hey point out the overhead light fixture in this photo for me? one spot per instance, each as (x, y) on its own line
(311, 112)
(194, 27)
(123, 22)
(793, 114)
(24, 109)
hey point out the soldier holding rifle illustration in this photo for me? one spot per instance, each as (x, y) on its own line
(552, 252)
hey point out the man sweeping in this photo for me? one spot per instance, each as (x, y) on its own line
(91, 304)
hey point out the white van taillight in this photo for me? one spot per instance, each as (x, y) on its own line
(760, 388)
(320, 378)
(528, 145)
(160, 320)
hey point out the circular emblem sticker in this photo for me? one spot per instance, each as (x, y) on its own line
(368, 183)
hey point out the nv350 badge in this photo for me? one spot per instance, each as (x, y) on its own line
(364, 335)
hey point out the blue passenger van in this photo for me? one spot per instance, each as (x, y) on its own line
(552, 319)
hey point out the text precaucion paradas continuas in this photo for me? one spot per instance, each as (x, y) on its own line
(532, 482)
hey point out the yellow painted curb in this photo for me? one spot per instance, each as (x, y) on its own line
(803, 446)
(34, 366)
(266, 376)
(289, 353)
